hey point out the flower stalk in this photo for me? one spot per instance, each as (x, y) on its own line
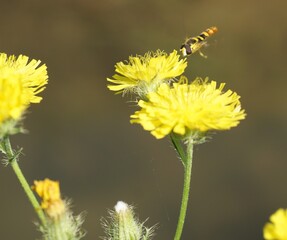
(186, 187)
(12, 158)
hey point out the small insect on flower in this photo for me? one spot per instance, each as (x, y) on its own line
(194, 44)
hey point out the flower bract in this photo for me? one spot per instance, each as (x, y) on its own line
(189, 108)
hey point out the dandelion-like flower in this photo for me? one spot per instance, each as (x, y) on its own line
(143, 74)
(20, 82)
(277, 229)
(189, 109)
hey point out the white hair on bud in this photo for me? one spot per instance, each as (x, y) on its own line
(121, 206)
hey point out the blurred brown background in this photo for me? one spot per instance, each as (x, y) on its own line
(80, 134)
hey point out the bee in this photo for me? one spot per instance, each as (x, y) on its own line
(194, 44)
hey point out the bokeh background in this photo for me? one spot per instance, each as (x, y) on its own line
(80, 134)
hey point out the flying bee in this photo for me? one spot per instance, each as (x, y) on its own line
(194, 44)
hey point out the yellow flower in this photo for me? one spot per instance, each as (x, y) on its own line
(20, 82)
(189, 109)
(49, 191)
(277, 229)
(143, 74)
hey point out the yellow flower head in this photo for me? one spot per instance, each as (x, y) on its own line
(143, 74)
(20, 82)
(189, 108)
(49, 191)
(277, 229)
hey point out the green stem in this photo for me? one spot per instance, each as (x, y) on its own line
(186, 189)
(13, 157)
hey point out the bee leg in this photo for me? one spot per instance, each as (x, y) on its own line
(201, 54)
